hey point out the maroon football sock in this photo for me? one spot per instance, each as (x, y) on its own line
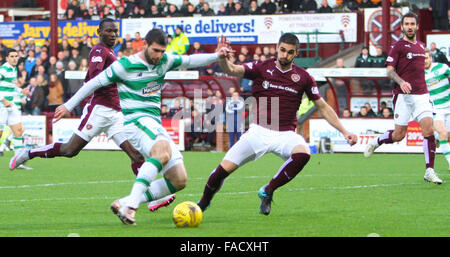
(135, 167)
(48, 151)
(429, 150)
(386, 138)
(288, 171)
(215, 182)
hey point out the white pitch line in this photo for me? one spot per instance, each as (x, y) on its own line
(227, 193)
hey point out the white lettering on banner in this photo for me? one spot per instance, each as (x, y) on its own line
(252, 28)
(366, 129)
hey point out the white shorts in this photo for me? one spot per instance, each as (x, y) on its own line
(443, 115)
(258, 141)
(9, 116)
(144, 133)
(411, 107)
(97, 119)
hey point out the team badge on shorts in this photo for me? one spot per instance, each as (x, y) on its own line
(88, 126)
(295, 77)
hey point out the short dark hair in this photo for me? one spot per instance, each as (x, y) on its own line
(411, 15)
(11, 50)
(156, 35)
(289, 38)
(103, 21)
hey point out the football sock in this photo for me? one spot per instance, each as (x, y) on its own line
(445, 149)
(429, 149)
(288, 171)
(386, 138)
(215, 182)
(48, 151)
(147, 173)
(17, 143)
(159, 189)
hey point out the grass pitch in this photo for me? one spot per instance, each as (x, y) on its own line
(337, 195)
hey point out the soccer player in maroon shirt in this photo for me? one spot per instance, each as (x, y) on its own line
(102, 112)
(278, 88)
(406, 66)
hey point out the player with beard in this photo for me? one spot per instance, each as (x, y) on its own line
(281, 84)
(406, 66)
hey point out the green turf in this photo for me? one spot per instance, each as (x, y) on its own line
(335, 195)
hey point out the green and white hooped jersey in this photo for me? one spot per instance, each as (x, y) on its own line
(437, 79)
(139, 84)
(8, 88)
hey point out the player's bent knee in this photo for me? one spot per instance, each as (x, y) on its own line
(161, 151)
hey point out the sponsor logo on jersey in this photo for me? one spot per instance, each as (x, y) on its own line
(412, 55)
(266, 85)
(151, 89)
(97, 59)
(270, 71)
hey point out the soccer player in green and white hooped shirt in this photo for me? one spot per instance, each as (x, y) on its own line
(140, 79)
(11, 100)
(437, 79)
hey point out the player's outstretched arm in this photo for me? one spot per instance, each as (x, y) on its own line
(232, 69)
(330, 115)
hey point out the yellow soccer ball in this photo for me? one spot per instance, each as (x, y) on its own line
(187, 215)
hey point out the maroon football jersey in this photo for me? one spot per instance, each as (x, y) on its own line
(288, 88)
(100, 58)
(408, 60)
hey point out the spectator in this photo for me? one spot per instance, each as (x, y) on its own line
(362, 112)
(266, 52)
(84, 12)
(120, 12)
(86, 46)
(164, 113)
(107, 13)
(176, 107)
(229, 6)
(64, 45)
(254, 8)
(325, 8)
(137, 43)
(52, 65)
(84, 65)
(379, 61)
(383, 105)
(308, 6)
(135, 13)
(34, 100)
(268, 7)
(258, 50)
(440, 10)
(173, 11)
(235, 116)
(386, 113)
(55, 92)
(438, 55)
(346, 113)
(93, 14)
(197, 48)
(125, 40)
(184, 8)
(222, 10)
(163, 7)
(180, 41)
(76, 57)
(70, 14)
(238, 10)
(370, 112)
(363, 60)
(207, 11)
(340, 63)
(45, 60)
(366, 4)
(30, 62)
(74, 6)
(154, 12)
